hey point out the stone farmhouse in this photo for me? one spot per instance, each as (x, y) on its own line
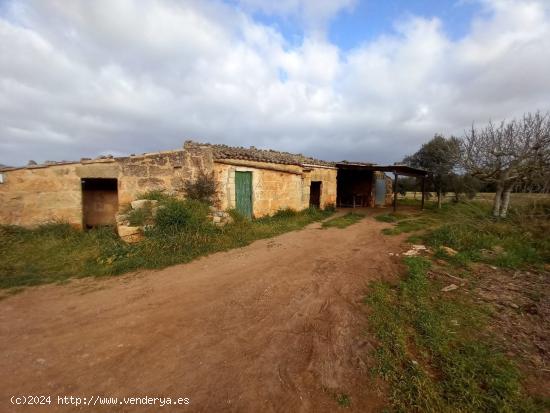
(256, 182)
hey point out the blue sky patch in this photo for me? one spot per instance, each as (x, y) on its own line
(370, 19)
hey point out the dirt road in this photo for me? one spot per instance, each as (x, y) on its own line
(275, 326)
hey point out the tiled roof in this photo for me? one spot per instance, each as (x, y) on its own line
(261, 155)
(219, 152)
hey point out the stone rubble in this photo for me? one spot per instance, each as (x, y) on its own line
(449, 251)
(219, 217)
(415, 250)
(450, 287)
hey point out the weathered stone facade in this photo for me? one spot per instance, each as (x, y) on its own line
(55, 192)
(163, 171)
(326, 175)
(37, 194)
(34, 195)
(274, 186)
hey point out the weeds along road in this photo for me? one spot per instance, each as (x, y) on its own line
(278, 325)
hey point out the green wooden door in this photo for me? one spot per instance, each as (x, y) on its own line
(243, 193)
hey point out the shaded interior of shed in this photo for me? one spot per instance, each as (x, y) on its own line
(354, 188)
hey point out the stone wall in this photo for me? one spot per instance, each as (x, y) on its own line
(274, 187)
(38, 194)
(165, 171)
(389, 191)
(35, 195)
(328, 188)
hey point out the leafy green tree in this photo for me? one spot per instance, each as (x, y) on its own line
(407, 184)
(440, 157)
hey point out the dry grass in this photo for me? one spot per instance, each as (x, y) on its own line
(516, 198)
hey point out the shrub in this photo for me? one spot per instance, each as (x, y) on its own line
(140, 216)
(203, 188)
(176, 215)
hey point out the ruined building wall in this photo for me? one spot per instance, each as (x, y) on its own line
(163, 171)
(34, 195)
(38, 194)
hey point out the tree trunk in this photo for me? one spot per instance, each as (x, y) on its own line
(505, 202)
(439, 199)
(497, 202)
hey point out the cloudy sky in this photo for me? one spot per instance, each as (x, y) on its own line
(338, 79)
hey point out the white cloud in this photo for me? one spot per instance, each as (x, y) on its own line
(314, 14)
(82, 78)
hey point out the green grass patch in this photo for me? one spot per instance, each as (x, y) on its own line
(409, 225)
(391, 217)
(432, 354)
(518, 241)
(56, 252)
(343, 400)
(343, 221)
(386, 218)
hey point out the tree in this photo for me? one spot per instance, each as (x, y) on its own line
(440, 156)
(407, 184)
(462, 184)
(509, 154)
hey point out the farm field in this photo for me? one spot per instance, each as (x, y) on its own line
(516, 198)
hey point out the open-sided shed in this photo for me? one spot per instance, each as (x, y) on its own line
(368, 185)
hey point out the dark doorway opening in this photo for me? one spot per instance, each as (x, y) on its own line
(99, 202)
(354, 188)
(315, 194)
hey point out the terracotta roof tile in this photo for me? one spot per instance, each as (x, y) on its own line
(261, 155)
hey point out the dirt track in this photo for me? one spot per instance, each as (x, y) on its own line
(275, 326)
